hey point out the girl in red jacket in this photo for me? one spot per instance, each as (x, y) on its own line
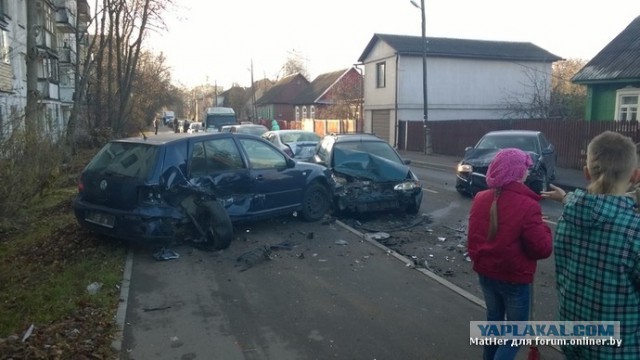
(506, 238)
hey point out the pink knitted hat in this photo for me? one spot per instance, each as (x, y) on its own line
(508, 166)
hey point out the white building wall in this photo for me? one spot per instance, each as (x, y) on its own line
(379, 98)
(465, 88)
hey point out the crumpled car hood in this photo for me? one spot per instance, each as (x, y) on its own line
(368, 166)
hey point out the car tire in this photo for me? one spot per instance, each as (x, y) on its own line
(315, 202)
(215, 221)
(414, 207)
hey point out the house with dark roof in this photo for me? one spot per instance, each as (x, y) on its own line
(466, 80)
(277, 102)
(332, 95)
(612, 78)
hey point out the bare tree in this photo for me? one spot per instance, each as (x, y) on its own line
(534, 101)
(152, 90)
(294, 65)
(549, 96)
(345, 98)
(121, 30)
(568, 99)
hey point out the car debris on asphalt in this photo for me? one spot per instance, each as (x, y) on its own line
(165, 254)
(260, 255)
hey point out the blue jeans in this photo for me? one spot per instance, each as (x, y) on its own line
(504, 299)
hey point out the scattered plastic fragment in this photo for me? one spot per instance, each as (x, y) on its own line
(166, 254)
(441, 238)
(28, 333)
(156, 308)
(377, 236)
(94, 287)
(341, 242)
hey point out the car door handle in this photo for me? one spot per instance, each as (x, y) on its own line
(259, 178)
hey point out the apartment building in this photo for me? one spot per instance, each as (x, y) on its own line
(57, 26)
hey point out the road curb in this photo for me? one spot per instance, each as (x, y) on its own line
(121, 314)
(409, 263)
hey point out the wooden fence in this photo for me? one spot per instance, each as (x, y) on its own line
(570, 137)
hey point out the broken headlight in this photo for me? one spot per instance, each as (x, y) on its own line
(462, 167)
(407, 186)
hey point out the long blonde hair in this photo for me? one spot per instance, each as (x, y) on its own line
(611, 159)
(493, 214)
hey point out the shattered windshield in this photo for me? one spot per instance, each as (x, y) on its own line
(125, 159)
(370, 160)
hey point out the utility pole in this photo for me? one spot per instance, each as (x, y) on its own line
(253, 96)
(31, 111)
(428, 149)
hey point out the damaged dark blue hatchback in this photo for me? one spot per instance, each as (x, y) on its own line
(191, 188)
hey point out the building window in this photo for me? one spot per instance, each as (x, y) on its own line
(49, 69)
(627, 103)
(381, 75)
(304, 112)
(297, 113)
(4, 48)
(312, 112)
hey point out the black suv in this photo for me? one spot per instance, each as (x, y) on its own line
(369, 175)
(159, 189)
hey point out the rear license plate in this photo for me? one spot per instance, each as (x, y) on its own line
(100, 219)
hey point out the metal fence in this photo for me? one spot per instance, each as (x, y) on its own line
(570, 137)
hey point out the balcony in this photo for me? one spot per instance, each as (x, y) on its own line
(83, 11)
(48, 90)
(46, 41)
(66, 55)
(65, 20)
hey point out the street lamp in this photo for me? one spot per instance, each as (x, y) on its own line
(428, 149)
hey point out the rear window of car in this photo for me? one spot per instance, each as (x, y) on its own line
(125, 159)
(299, 136)
(378, 148)
(252, 130)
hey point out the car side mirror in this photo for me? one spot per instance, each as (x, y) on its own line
(171, 178)
(468, 148)
(548, 150)
(290, 162)
(406, 161)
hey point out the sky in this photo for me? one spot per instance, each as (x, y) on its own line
(215, 41)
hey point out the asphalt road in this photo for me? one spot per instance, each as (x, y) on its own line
(331, 295)
(323, 293)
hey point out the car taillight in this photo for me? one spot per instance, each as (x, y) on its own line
(80, 185)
